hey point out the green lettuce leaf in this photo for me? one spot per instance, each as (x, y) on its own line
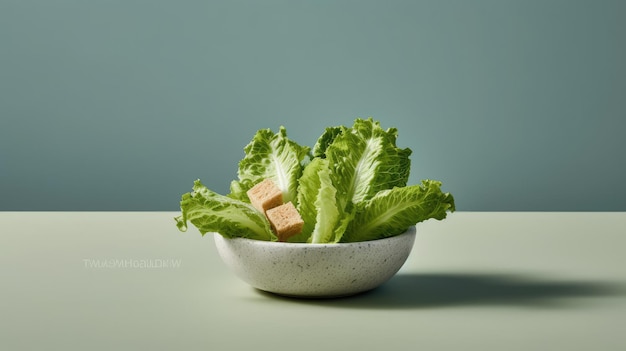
(366, 160)
(272, 156)
(350, 187)
(212, 212)
(391, 212)
(329, 135)
(317, 204)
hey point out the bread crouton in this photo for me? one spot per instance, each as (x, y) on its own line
(265, 195)
(285, 221)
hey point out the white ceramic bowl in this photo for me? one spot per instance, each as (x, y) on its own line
(315, 270)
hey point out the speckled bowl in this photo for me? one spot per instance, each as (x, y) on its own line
(315, 270)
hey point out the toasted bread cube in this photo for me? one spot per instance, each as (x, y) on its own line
(285, 221)
(265, 195)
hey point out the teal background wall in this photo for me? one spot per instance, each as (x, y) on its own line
(121, 104)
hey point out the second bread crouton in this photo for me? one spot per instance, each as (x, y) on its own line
(285, 220)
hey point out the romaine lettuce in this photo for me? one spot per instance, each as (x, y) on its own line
(272, 156)
(327, 138)
(351, 188)
(366, 160)
(317, 204)
(212, 212)
(393, 211)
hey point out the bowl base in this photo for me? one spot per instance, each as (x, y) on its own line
(312, 297)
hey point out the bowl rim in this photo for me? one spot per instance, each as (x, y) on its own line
(410, 231)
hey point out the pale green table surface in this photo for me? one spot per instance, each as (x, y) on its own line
(475, 281)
